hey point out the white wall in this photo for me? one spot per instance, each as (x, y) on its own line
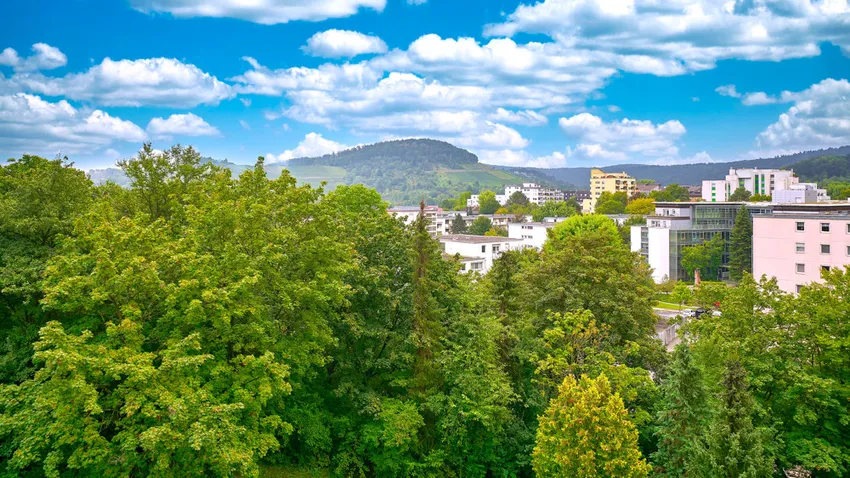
(659, 253)
(532, 234)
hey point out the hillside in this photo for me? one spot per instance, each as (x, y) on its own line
(403, 171)
(824, 168)
(684, 173)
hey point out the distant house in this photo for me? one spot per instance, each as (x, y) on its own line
(478, 248)
(579, 195)
(439, 222)
(648, 188)
(532, 234)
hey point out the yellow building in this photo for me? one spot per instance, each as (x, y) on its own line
(601, 182)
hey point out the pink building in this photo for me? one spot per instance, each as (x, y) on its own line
(797, 241)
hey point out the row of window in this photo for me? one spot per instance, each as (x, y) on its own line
(824, 248)
(824, 227)
(801, 268)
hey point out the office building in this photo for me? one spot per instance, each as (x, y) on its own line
(766, 182)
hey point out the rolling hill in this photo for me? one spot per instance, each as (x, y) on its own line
(402, 171)
(684, 173)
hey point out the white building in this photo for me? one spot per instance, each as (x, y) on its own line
(473, 249)
(535, 193)
(767, 182)
(439, 222)
(532, 234)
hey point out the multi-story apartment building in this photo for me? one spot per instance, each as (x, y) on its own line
(797, 242)
(535, 193)
(477, 249)
(765, 182)
(579, 195)
(439, 222)
(532, 234)
(676, 225)
(601, 182)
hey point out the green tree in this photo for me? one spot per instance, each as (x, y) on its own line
(641, 206)
(741, 245)
(586, 432)
(497, 231)
(480, 226)
(460, 204)
(734, 447)
(760, 198)
(672, 193)
(684, 414)
(611, 206)
(517, 198)
(554, 209)
(704, 257)
(740, 194)
(584, 225)
(681, 294)
(487, 203)
(709, 294)
(458, 225)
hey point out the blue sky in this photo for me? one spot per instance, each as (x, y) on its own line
(554, 83)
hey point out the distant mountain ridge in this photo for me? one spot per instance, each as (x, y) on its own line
(689, 174)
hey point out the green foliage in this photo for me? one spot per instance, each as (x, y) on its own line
(641, 206)
(760, 198)
(611, 206)
(458, 225)
(586, 433)
(709, 294)
(823, 169)
(575, 226)
(487, 203)
(460, 203)
(497, 231)
(672, 193)
(555, 209)
(681, 294)
(684, 414)
(480, 226)
(740, 194)
(741, 245)
(734, 447)
(703, 257)
(517, 198)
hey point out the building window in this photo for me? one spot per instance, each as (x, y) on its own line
(495, 248)
(848, 228)
(799, 288)
(801, 247)
(824, 227)
(801, 268)
(824, 248)
(801, 226)
(483, 248)
(824, 268)
(848, 250)
(477, 266)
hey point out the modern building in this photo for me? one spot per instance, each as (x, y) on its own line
(677, 225)
(579, 195)
(497, 220)
(798, 241)
(467, 264)
(438, 221)
(601, 182)
(766, 182)
(535, 193)
(532, 234)
(485, 248)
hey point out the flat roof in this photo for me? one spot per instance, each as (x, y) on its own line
(546, 224)
(462, 258)
(471, 239)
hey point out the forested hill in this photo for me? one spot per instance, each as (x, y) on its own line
(403, 171)
(823, 168)
(686, 173)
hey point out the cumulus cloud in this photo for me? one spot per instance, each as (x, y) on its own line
(245, 101)
(621, 140)
(313, 145)
(523, 159)
(524, 117)
(148, 82)
(181, 125)
(818, 118)
(728, 90)
(267, 12)
(31, 124)
(244, 124)
(678, 36)
(758, 98)
(343, 43)
(44, 57)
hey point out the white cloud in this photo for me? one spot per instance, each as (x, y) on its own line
(819, 118)
(525, 117)
(31, 124)
(678, 36)
(695, 99)
(44, 57)
(417, 2)
(285, 126)
(523, 159)
(622, 140)
(245, 101)
(267, 12)
(147, 82)
(728, 90)
(343, 43)
(244, 124)
(312, 145)
(614, 108)
(758, 98)
(181, 125)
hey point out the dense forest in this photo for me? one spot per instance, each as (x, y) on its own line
(201, 324)
(830, 172)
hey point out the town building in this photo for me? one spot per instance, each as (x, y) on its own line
(467, 264)
(676, 225)
(601, 182)
(579, 195)
(485, 248)
(694, 192)
(532, 234)
(438, 221)
(798, 241)
(766, 182)
(535, 193)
